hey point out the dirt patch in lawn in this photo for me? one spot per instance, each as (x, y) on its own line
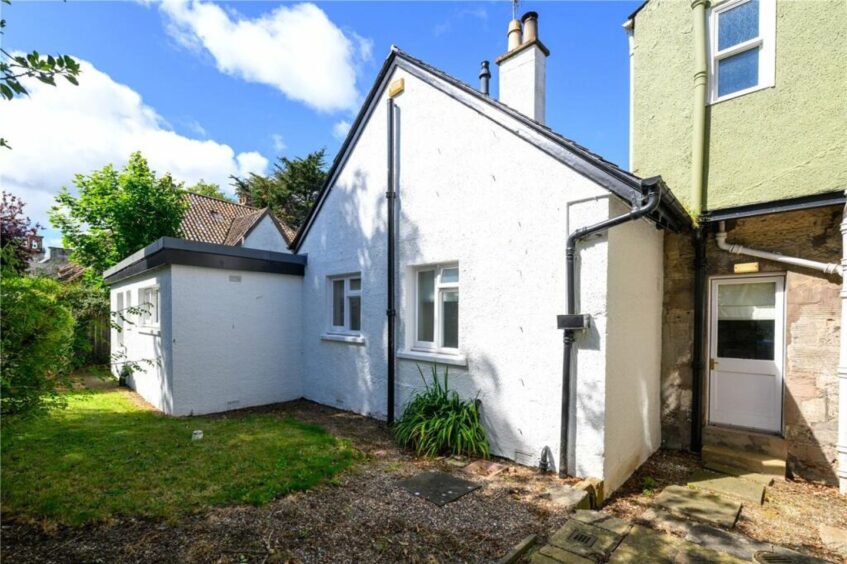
(362, 516)
(790, 516)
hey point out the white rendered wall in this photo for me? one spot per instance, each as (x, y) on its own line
(236, 339)
(266, 237)
(523, 80)
(634, 341)
(472, 192)
(148, 347)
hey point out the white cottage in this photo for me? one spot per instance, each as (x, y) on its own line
(441, 237)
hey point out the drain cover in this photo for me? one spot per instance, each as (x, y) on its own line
(770, 557)
(438, 487)
(583, 538)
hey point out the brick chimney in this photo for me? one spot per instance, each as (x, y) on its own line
(523, 68)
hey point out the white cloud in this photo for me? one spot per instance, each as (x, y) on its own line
(278, 143)
(57, 132)
(296, 49)
(340, 129)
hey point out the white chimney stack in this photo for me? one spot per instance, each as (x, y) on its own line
(523, 69)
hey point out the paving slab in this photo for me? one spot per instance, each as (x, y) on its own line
(519, 550)
(740, 488)
(834, 539)
(556, 554)
(781, 555)
(728, 542)
(484, 468)
(585, 540)
(567, 497)
(438, 487)
(665, 521)
(603, 520)
(690, 553)
(699, 505)
(743, 459)
(645, 545)
(763, 479)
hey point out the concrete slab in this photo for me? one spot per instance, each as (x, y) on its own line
(834, 539)
(725, 541)
(699, 505)
(567, 497)
(645, 545)
(603, 520)
(484, 468)
(585, 540)
(665, 521)
(556, 554)
(690, 553)
(746, 490)
(763, 479)
(744, 460)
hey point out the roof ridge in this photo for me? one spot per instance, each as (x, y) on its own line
(223, 201)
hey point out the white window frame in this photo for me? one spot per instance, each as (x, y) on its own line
(437, 345)
(348, 293)
(765, 42)
(149, 317)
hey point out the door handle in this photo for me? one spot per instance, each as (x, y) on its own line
(712, 364)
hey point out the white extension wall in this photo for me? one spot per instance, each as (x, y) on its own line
(146, 346)
(634, 338)
(236, 339)
(469, 191)
(266, 237)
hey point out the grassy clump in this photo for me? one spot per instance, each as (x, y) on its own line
(437, 421)
(104, 456)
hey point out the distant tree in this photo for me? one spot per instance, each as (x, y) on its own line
(209, 189)
(290, 190)
(117, 213)
(14, 228)
(15, 67)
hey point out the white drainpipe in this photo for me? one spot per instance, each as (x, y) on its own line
(829, 268)
(841, 448)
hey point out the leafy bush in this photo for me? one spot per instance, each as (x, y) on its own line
(37, 334)
(89, 306)
(437, 421)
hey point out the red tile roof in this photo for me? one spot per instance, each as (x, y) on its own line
(211, 220)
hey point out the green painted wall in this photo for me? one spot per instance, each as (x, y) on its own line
(772, 144)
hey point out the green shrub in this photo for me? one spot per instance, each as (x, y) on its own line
(89, 306)
(437, 421)
(36, 333)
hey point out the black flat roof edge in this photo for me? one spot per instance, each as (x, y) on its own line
(780, 206)
(170, 250)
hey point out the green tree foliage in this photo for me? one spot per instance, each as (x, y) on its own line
(37, 331)
(209, 189)
(290, 191)
(14, 228)
(89, 306)
(15, 67)
(117, 213)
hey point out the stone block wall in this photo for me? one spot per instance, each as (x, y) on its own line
(812, 330)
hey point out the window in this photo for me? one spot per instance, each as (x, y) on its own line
(120, 318)
(346, 304)
(148, 302)
(742, 35)
(437, 308)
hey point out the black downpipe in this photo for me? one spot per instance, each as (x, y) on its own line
(653, 199)
(697, 360)
(391, 312)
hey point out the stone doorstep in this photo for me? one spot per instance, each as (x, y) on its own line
(743, 460)
(746, 490)
(764, 479)
(699, 505)
(772, 445)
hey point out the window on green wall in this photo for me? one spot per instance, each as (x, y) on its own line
(741, 45)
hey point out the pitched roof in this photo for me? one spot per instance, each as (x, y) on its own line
(623, 183)
(212, 220)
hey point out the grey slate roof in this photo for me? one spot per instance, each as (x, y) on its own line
(623, 183)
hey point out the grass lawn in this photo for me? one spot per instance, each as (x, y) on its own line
(105, 456)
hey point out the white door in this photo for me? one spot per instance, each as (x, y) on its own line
(746, 336)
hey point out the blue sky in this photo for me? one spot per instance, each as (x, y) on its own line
(210, 92)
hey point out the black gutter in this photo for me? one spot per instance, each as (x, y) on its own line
(697, 360)
(391, 312)
(572, 321)
(779, 206)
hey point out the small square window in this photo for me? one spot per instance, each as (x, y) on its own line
(346, 304)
